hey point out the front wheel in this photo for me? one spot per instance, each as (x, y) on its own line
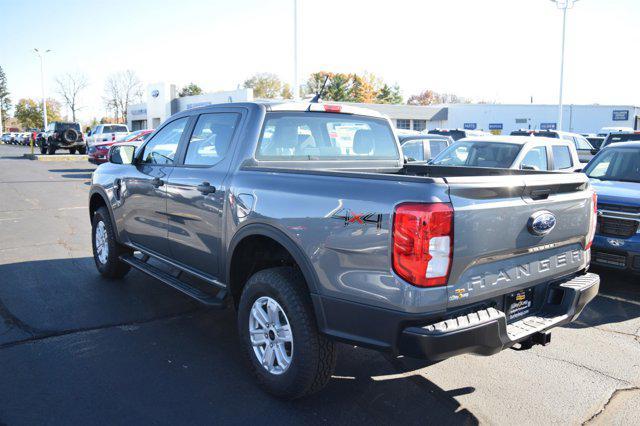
(43, 149)
(82, 150)
(72, 151)
(287, 354)
(106, 250)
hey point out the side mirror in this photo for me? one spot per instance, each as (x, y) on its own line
(594, 151)
(122, 154)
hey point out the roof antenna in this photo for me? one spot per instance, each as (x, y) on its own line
(320, 92)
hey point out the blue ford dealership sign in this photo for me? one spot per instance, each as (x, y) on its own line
(548, 126)
(620, 115)
(495, 126)
(470, 126)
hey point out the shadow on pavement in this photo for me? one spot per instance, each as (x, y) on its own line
(136, 351)
(618, 300)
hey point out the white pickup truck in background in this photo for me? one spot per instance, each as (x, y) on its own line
(106, 132)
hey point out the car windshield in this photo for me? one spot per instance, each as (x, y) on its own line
(618, 164)
(478, 154)
(310, 136)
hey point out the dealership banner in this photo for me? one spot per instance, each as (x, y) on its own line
(470, 126)
(620, 115)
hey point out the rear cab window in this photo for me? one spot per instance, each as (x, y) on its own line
(311, 136)
(470, 153)
(115, 129)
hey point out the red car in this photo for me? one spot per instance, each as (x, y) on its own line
(97, 154)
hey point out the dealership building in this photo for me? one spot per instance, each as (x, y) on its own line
(162, 101)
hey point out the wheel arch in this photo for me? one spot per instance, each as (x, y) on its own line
(97, 199)
(253, 233)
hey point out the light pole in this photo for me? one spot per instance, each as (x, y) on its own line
(296, 77)
(44, 98)
(563, 5)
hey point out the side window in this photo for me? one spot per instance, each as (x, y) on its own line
(437, 147)
(162, 148)
(536, 157)
(582, 143)
(414, 150)
(561, 157)
(211, 137)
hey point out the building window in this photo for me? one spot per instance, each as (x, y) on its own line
(401, 123)
(138, 125)
(419, 125)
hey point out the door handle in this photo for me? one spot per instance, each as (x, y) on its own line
(206, 188)
(157, 182)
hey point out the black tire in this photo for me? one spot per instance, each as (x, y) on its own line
(313, 356)
(111, 268)
(51, 150)
(72, 151)
(82, 150)
(43, 149)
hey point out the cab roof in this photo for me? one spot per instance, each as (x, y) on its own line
(518, 140)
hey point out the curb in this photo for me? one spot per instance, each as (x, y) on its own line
(63, 157)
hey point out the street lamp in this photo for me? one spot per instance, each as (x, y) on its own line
(563, 5)
(44, 99)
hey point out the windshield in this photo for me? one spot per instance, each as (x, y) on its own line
(61, 127)
(294, 136)
(478, 154)
(619, 164)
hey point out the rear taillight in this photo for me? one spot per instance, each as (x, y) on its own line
(594, 221)
(113, 136)
(423, 243)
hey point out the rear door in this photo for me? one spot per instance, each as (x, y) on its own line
(496, 247)
(197, 191)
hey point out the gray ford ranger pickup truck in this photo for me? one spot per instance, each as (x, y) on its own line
(305, 217)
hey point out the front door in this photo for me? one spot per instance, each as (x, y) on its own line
(144, 189)
(197, 191)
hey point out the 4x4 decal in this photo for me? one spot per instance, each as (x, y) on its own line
(350, 217)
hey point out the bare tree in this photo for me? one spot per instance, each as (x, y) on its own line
(69, 87)
(121, 90)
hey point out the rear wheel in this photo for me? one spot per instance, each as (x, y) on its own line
(72, 151)
(287, 354)
(82, 150)
(106, 250)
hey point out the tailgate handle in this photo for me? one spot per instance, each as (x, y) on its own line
(540, 194)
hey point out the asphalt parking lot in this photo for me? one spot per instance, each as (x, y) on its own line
(75, 348)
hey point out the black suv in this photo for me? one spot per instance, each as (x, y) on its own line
(59, 135)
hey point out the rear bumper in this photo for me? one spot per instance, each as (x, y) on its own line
(486, 332)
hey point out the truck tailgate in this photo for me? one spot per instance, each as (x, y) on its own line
(497, 249)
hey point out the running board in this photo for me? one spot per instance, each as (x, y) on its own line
(216, 301)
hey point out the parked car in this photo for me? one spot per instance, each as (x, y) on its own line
(61, 135)
(585, 150)
(620, 137)
(313, 242)
(6, 138)
(615, 176)
(511, 152)
(605, 131)
(98, 153)
(106, 133)
(595, 141)
(457, 134)
(421, 147)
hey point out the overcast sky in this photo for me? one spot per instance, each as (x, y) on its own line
(493, 50)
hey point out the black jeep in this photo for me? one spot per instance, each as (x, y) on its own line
(60, 135)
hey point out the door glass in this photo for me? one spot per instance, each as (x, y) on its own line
(437, 147)
(211, 138)
(537, 158)
(582, 143)
(162, 148)
(413, 150)
(561, 157)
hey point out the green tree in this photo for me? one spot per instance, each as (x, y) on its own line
(29, 112)
(5, 100)
(389, 95)
(286, 92)
(266, 86)
(190, 89)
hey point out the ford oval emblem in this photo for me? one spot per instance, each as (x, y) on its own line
(155, 93)
(541, 223)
